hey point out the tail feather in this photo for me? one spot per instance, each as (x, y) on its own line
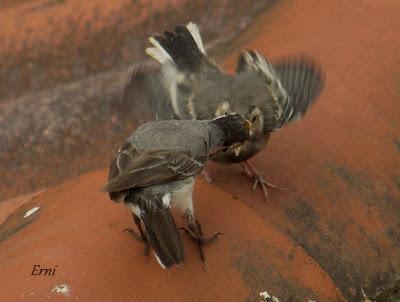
(161, 231)
(164, 237)
(184, 47)
(158, 52)
(195, 32)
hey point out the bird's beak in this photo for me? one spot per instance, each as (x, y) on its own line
(247, 124)
(237, 150)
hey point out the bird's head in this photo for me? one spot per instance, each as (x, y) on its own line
(255, 116)
(252, 113)
(235, 128)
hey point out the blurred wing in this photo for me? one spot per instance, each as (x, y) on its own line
(145, 97)
(303, 80)
(276, 98)
(293, 84)
(133, 169)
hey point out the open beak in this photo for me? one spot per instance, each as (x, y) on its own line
(237, 150)
(237, 146)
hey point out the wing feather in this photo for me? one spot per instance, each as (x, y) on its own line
(293, 84)
(141, 169)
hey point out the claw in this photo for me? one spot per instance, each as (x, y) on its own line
(134, 234)
(196, 235)
(255, 184)
(139, 238)
(253, 174)
(200, 239)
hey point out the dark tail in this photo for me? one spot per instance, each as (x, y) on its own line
(161, 231)
(184, 47)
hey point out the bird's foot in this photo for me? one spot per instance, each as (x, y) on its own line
(258, 179)
(140, 238)
(207, 177)
(246, 171)
(134, 234)
(195, 233)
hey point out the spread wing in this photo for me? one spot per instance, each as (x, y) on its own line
(293, 84)
(143, 97)
(303, 80)
(133, 169)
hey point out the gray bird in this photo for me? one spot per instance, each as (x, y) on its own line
(190, 86)
(155, 169)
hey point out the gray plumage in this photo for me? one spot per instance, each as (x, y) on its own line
(190, 86)
(155, 168)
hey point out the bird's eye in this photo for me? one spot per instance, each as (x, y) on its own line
(226, 112)
(254, 118)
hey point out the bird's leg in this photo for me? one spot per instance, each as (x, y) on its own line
(142, 236)
(246, 171)
(207, 176)
(258, 179)
(195, 233)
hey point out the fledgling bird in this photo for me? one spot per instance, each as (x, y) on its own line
(155, 169)
(190, 86)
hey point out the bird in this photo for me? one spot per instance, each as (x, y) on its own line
(155, 170)
(189, 85)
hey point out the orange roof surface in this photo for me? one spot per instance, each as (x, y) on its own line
(332, 231)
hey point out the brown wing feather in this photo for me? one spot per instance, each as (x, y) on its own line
(132, 169)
